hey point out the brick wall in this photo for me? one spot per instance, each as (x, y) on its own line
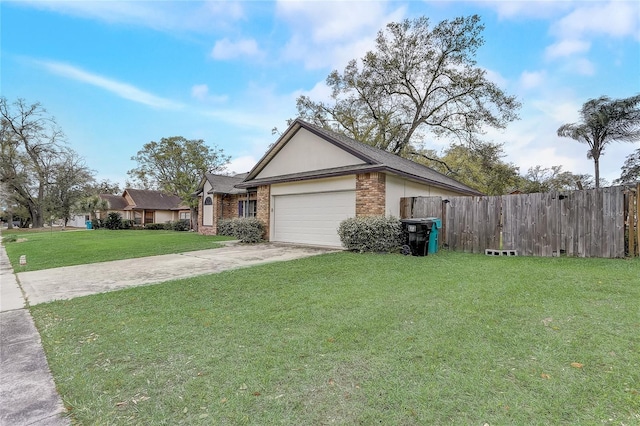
(264, 207)
(370, 194)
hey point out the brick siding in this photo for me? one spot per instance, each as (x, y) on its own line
(370, 194)
(264, 208)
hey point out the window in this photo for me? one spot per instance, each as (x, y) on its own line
(251, 211)
(185, 215)
(208, 201)
(137, 218)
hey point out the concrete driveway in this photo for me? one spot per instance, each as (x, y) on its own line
(74, 281)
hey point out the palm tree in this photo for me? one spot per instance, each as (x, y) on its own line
(91, 205)
(603, 121)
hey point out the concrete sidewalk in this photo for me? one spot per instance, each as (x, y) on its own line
(27, 392)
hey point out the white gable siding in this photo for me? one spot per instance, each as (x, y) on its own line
(307, 152)
(397, 187)
(207, 211)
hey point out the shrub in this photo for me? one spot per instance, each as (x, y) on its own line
(371, 234)
(246, 229)
(225, 227)
(96, 223)
(181, 225)
(126, 224)
(154, 226)
(113, 221)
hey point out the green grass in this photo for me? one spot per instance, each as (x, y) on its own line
(46, 250)
(358, 339)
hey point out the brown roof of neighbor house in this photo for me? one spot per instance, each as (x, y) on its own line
(374, 159)
(116, 202)
(153, 200)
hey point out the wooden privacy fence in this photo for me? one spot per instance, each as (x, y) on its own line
(592, 223)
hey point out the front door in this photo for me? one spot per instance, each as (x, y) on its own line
(148, 216)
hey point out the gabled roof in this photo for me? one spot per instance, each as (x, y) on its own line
(374, 159)
(116, 202)
(222, 184)
(152, 200)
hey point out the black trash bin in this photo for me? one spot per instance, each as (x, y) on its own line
(417, 233)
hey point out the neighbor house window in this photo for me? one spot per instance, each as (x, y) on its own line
(247, 210)
(208, 201)
(137, 218)
(185, 215)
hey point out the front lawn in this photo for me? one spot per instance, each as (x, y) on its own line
(358, 339)
(46, 250)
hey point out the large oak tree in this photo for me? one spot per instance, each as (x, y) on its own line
(37, 170)
(176, 165)
(419, 79)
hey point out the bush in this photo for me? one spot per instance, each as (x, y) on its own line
(246, 229)
(126, 224)
(225, 227)
(154, 226)
(371, 234)
(96, 223)
(113, 221)
(181, 225)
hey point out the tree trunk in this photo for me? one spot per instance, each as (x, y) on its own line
(596, 165)
(194, 218)
(10, 217)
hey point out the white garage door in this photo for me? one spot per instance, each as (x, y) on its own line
(312, 218)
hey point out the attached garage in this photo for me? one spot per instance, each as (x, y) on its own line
(311, 218)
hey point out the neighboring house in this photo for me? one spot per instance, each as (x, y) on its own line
(312, 179)
(220, 199)
(144, 206)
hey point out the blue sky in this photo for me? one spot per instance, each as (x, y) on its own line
(117, 75)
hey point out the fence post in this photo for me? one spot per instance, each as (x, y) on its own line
(630, 224)
(637, 215)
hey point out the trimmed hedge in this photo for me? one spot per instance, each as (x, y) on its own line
(246, 229)
(371, 234)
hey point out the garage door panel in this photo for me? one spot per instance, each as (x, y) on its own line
(312, 218)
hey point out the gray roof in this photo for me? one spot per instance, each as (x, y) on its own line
(116, 202)
(153, 200)
(375, 160)
(223, 184)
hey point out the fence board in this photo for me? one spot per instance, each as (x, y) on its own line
(587, 223)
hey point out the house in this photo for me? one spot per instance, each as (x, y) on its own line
(312, 179)
(146, 206)
(220, 199)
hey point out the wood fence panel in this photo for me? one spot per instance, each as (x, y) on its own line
(587, 223)
(427, 207)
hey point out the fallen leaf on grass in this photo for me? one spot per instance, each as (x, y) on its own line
(244, 386)
(577, 365)
(223, 400)
(332, 382)
(256, 394)
(545, 376)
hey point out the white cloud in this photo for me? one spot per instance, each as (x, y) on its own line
(566, 48)
(123, 90)
(241, 164)
(329, 34)
(538, 9)
(201, 93)
(227, 49)
(613, 18)
(205, 17)
(532, 79)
